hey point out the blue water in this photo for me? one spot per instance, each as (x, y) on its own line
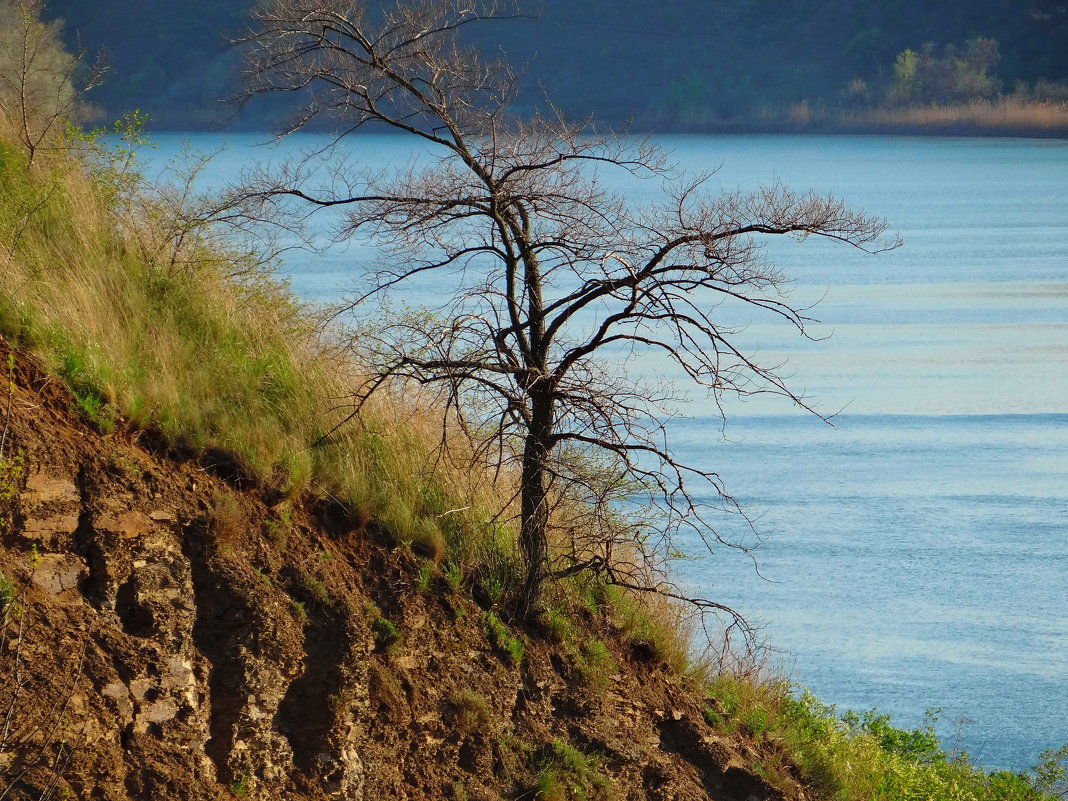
(916, 554)
(909, 562)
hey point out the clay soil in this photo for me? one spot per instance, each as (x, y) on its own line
(175, 631)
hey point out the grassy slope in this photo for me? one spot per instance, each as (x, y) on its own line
(155, 324)
(158, 327)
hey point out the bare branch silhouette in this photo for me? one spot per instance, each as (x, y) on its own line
(548, 280)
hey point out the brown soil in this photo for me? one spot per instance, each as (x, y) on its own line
(176, 637)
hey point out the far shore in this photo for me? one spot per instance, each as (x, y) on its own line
(1005, 117)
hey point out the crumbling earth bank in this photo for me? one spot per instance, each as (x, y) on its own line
(171, 635)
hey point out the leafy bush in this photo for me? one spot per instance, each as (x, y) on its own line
(862, 757)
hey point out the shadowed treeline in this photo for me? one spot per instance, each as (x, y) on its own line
(682, 65)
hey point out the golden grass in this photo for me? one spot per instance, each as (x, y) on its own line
(1004, 116)
(1009, 115)
(158, 327)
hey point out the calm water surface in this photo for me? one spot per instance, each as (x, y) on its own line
(915, 555)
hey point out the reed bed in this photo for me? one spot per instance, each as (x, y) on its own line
(1007, 116)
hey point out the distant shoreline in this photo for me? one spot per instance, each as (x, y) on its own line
(1005, 117)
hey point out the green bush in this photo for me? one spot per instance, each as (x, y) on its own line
(864, 757)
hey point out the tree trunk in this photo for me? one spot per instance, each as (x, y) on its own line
(534, 499)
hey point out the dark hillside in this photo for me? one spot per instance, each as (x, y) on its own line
(655, 64)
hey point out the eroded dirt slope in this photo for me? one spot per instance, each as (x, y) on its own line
(174, 636)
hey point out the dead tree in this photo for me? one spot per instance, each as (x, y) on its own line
(548, 278)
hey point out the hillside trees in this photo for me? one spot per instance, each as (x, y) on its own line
(954, 74)
(41, 85)
(548, 281)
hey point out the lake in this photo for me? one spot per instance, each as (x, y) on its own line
(915, 555)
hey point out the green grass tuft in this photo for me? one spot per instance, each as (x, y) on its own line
(510, 648)
(564, 774)
(385, 634)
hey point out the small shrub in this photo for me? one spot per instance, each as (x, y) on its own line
(122, 465)
(9, 599)
(317, 590)
(420, 534)
(558, 625)
(454, 576)
(226, 519)
(278, 528)
(100, 413)
(493, 588)
(918, 745)
(385, 634)
(300, 611)
(1051, 771)
(510, 648)
(715, 719)
(386, 689)
(470, 713)
(652, 626)
(741, 703)
(756, 723)
(565, 773)
(424, 577)
(241, 786)
(12, 469)
(595, 664)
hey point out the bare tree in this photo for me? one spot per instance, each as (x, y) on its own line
(550, 281)
(41, 85)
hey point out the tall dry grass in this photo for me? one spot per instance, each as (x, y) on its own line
(156, 320)
(1010, 115)
(1005, 116)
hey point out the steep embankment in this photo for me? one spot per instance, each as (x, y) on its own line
(171, 636)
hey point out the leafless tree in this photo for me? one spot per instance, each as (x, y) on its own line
(41, 85)
(550, 280)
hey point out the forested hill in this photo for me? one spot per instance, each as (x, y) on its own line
(656, 63)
